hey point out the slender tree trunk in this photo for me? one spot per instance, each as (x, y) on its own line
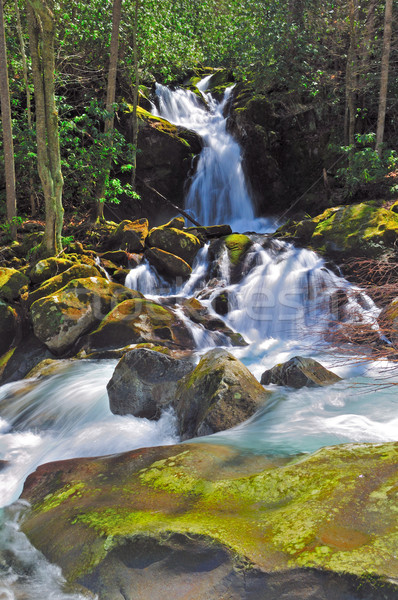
(135, 96)
(41, 39)
(28, 100)
(351, 76)
(385, 59)
(7, 130)
(110, 100)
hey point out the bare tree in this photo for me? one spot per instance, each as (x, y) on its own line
(41, 25)
(7, 129)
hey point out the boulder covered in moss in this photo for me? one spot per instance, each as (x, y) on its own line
(130, 235)
(363, 229)
(209, 522)
(76, 271)
(237, 245)
(10, 326)
(168, 265)
(177, 242)
(61, 318)
(219, 394)
(140, 320)
(300, 372)
(48, 268)
(144, 383)
(12, 283)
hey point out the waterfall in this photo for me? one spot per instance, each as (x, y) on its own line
(218, 192)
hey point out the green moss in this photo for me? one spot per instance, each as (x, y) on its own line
(237, 245)
(51, 501)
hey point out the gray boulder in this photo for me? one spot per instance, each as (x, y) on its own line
(144, 382)
(219, 394)
(300, 372)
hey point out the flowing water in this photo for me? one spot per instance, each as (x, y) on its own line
(284, 305)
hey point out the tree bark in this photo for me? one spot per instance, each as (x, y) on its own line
(28, 100)
(7, 130)
(135, 96)
(385, 60)
(41, 40)
(110, 100)
(351, 76)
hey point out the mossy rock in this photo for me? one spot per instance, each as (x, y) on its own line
(175, 241)
(61, 318)
(49, 267)
(237, 245)
(219, 394)
(49, 367)
(12, 283)
(130, 235)
(9, 327)
(76, 271)
(140, 320)
(169, 265)
(327, 512)
(175, 223)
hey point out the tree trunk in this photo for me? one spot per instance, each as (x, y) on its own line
(135, 96)
(28, 101)
(7, 131)
(41, 40)
(351, 76)
(110, 100)
(385, 59)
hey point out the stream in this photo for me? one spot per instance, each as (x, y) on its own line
(283, 306)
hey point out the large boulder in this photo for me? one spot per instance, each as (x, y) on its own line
(140, 320)
(61, 318)
(144, 382)
(300, 372)
(219, 394)
(205, 522)
(177, 242)
(364, 229)
(12, 283)
(130, 235)
(48, 268)
(167, 264)
(76, 271)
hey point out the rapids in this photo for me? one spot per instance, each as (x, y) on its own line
(283, 305)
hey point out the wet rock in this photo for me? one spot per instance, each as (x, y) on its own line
(140, 320)
(119, 257)
(76, 271)
(300, 372)
(144, 383)
(12, 283)
(130, 235)
(49, 267)
(61, 318)
(220, 303)
(177, 242)
(237, 245)
(190, 516)
(24, 357)
(49, 367)
(219, 394)
(169, 265)
(176, 223)
(198, 313)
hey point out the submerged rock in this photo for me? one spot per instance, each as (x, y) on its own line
(61, 318)
(219, 394)
(300, 372)
(210, 523)
(144, 383)
(140, 320)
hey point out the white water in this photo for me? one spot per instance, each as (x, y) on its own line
(282, 307)
(218, 192)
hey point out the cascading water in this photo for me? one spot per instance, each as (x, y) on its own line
(283, 305)
(218, 192)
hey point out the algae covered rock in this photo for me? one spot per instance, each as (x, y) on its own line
(11, 284)
(237, 245)
(61, 318)
(323, 524)
(144, 382)
(219, 394)
(48, 268)
(300, 372)
(167, 264)
(76, 271)
(140, 320)
(130, 235)
(177, 242)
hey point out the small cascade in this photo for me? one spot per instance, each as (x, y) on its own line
(218, 192)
